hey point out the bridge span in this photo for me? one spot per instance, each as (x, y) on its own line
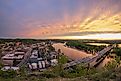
(88, 60)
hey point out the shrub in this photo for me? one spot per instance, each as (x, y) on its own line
(8, 74)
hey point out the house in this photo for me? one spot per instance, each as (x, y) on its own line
(54, 62)
(53, 55)
(52, 58)
(34, 54)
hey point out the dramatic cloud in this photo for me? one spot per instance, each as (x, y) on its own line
(54, 18)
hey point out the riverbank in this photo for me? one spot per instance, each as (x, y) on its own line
(70, 52)
(74, 54)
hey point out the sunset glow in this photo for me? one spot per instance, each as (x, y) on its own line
(96, 36)
(62, 19)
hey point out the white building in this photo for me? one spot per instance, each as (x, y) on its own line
(5, 68)
(54, 62)
(19, 53)
(12, 57)
(38, 63)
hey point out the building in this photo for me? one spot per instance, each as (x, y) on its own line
(35, 64)
(54, 62)
(12, 59)
(5, 68)
(34, 54)
(19, 53)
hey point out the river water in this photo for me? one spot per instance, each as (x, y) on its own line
(99, 44)
(77, 54)
(71, 52)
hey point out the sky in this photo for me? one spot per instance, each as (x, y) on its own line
(60, 19)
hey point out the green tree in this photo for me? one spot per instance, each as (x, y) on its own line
(8, 74)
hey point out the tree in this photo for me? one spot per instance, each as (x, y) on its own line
(8, 74)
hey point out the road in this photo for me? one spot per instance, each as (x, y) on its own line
(26, 58)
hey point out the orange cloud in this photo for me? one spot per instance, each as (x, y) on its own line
(100, 18)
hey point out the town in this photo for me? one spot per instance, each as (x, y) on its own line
(36, 56)
(52, 58)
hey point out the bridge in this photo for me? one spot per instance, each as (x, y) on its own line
(88, 60)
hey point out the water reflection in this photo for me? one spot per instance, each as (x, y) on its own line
(70, 52)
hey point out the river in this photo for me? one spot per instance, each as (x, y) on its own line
(99, 44)
(77, 54)
(71, 52)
